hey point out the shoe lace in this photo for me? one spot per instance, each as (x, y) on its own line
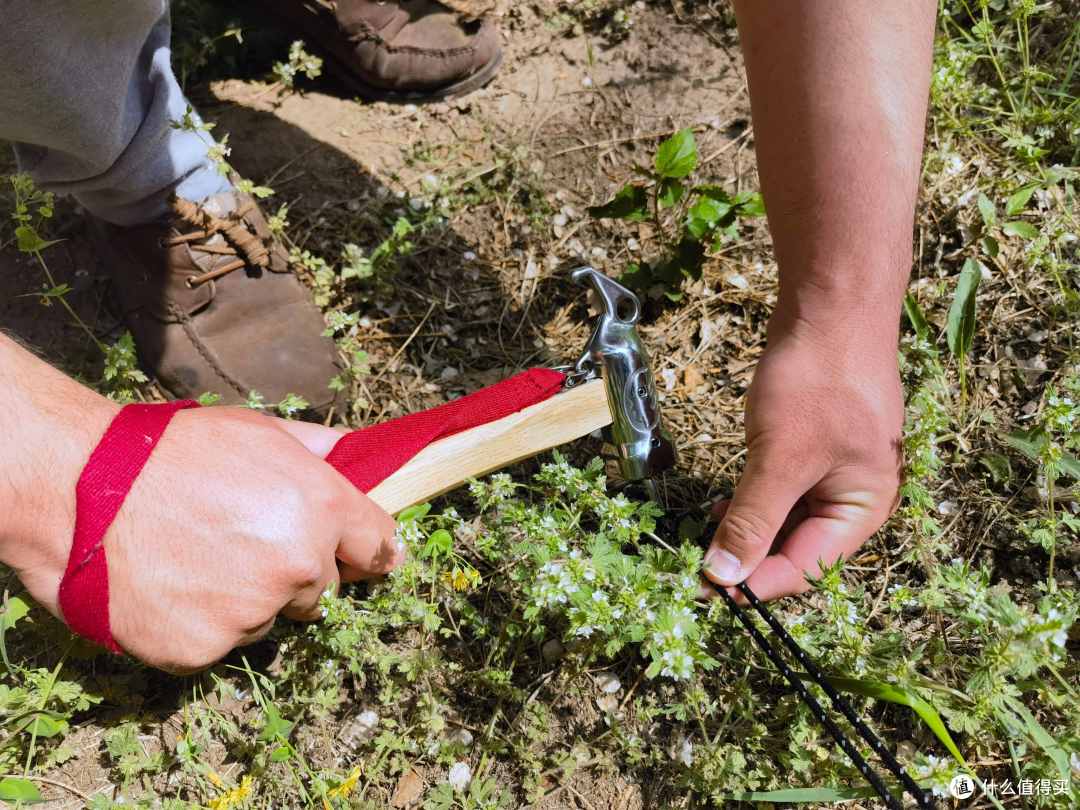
(248, 247)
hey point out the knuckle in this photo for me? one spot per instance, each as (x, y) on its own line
(745, 533)
(304, 570)
(331, 500)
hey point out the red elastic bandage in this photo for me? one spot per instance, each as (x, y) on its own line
(104, 484)
(365, 457)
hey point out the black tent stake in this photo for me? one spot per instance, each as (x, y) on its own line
(923, 798)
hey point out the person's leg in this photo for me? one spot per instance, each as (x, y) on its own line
(89, 97)
(91, 102)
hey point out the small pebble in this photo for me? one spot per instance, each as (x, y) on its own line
(461, 736)
(552, 650)
(609, 684)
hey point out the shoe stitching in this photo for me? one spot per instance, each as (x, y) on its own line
(204, 350)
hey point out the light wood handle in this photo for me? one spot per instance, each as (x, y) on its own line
(449, 462)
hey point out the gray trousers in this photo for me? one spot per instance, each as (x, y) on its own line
(89, 98)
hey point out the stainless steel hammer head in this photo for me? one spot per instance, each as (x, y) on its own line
(615, 351)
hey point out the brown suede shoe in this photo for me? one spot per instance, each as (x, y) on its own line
(401, 49)
(214, 306)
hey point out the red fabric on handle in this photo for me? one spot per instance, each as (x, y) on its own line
(370, 455)
(104, 484)
(365, 457)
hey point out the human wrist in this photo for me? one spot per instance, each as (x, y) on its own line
(855, 313)
(51, 424)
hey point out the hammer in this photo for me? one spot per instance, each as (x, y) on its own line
(610, 387)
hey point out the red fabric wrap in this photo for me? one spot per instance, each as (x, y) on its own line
(370, 455)
(365, 457)
(104, 484)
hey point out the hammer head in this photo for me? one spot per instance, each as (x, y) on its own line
(616, 352)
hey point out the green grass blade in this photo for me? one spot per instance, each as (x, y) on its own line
(896, 694)
(960, 325)
(916, 317)
(1041, 737)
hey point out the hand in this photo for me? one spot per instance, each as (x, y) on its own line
(234, 518)
(824, 416)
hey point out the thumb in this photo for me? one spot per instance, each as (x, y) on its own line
(368, 547)
(764, 497)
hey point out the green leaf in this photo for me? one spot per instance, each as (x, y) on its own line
(896, 694)
(916, 317)
(42, 725)
(59, 291)
(1018, 227)
(440, 542)
(15, 609)
(1018, 201)
(1041, 737)
(987, 211)
(630, 203)
(281, 753)
(750, 204)
(990, 246)
(677, 156)
(29, 241)
(670, 193)
(704, 215)
(1032, 443)
(413, 512)
(998, 466)
(275, 726)
(960, 326)
(1070, 465)
(13, 789)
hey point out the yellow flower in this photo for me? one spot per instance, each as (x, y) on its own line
(233, 797)
(461, 579)
(346, 787)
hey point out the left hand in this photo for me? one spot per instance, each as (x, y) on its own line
(824, 416)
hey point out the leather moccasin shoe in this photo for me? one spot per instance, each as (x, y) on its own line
(214, 306)
(403, 50)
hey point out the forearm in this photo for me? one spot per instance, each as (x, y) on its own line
(48, 424)
(839, 92)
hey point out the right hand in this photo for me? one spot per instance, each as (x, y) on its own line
(234, 519)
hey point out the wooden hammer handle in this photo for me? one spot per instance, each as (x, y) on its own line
(449, 462)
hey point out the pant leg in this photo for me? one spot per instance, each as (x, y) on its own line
(89, 98)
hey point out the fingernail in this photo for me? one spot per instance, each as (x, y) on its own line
(723, 566)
